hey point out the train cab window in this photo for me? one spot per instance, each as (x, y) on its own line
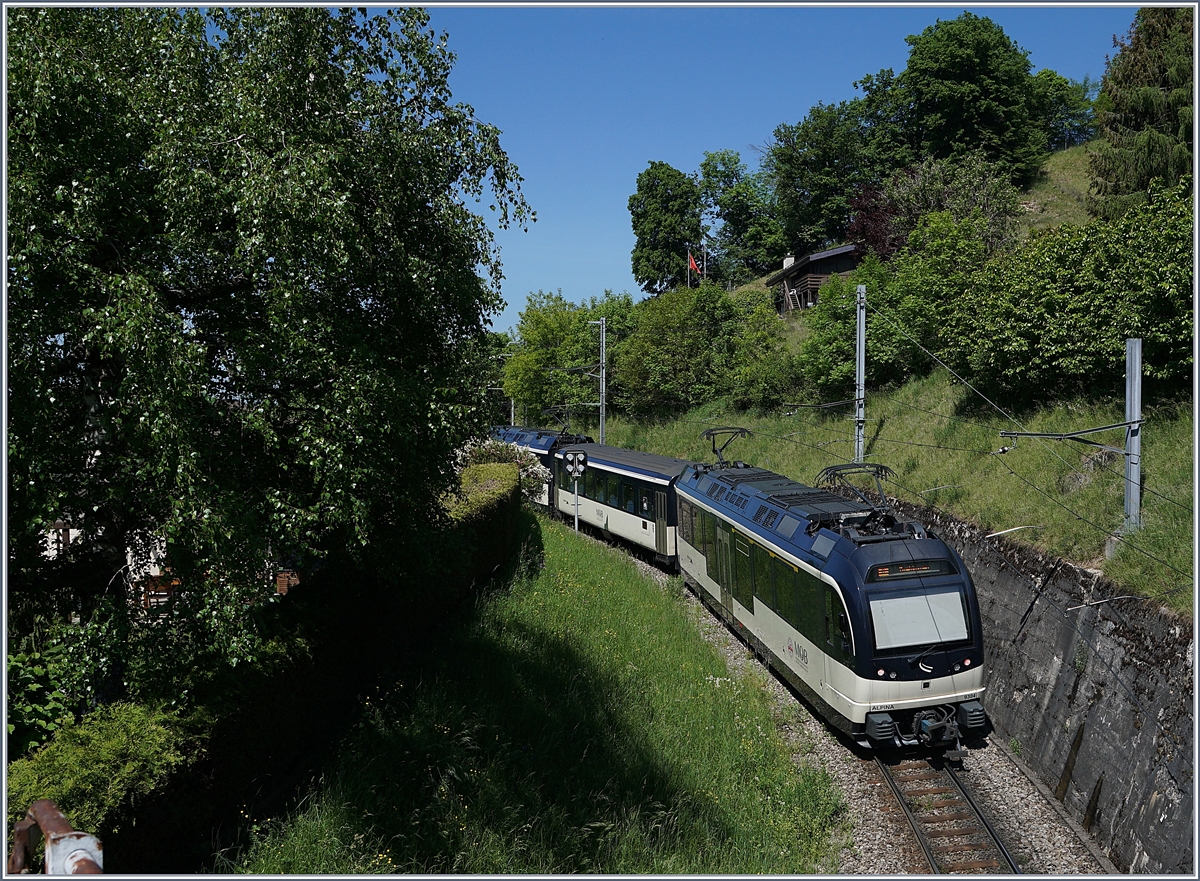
(763, 587)
(628, 497)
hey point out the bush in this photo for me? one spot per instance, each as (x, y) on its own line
(37, 706)
(1052, 317)
(97, 768)
(533, 474)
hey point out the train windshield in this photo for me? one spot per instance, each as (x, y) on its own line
(919, 616)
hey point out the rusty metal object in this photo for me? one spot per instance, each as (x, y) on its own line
(67, 852)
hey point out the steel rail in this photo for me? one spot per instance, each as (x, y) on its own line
(912, 820)
(1008, 858)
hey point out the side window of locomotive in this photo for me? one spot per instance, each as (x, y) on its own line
(785, 592)
(837, 629)
(710, 544)
(763, 589)
(743, 573)
(685, 521)
(810, 606)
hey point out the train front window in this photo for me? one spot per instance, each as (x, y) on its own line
(919, 617)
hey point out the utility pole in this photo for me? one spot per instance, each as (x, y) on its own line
(860, 375)
(1133, 435)
(603, 369)
(1133, 441)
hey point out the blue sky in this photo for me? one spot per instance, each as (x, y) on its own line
(587, 97)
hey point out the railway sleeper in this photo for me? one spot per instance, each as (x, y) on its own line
(975, 864)
(962, 848)
(947, 833)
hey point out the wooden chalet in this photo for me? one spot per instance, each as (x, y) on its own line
(799, 280)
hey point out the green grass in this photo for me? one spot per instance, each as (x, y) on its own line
(577, 724)
(941, 444)
(1060, 194)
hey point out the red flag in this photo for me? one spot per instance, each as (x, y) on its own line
(692, 263)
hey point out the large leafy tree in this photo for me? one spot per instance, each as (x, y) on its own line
(1147, 100)
(244, 309)
(816, 167)
(968, 86)
(749, 240)
(666, 212)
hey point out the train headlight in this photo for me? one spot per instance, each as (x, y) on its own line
(892, 675)
(880, 671)
(957, 667)
(966, 662)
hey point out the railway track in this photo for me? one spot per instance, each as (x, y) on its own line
(952, 830)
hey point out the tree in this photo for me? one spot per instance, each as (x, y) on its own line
(816, 167)
(749, 241)
(1066, 108)
(969, 88)
(555, 347)
(666, 214)
(678, 352)
(1146, 124)
(244, 309)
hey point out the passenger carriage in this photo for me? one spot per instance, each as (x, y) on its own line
(626, 493)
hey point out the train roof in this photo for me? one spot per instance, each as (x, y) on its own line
(662, 469)
(539, 440)
(739, 485)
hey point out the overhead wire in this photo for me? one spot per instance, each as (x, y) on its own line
(1013, 419)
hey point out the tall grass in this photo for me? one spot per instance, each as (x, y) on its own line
(943, 444)
(577, 724)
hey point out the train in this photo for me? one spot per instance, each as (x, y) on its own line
(873, 619)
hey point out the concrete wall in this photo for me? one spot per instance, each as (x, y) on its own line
(1098, 700)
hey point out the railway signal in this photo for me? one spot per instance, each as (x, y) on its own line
(576, 462)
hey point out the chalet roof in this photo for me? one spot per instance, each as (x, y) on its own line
(798, 267)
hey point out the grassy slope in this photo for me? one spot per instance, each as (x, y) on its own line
(578, 724)
(942, 453)
(1060, 194)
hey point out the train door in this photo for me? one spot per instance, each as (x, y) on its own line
(660, 522)
(724, 575)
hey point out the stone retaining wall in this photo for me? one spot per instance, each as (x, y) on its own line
(1097, 700)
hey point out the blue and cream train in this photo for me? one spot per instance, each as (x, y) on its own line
(874, 620)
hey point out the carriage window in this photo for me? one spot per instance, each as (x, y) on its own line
(628, 497)
(646, 503)
(589, 484)
(614, 490)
